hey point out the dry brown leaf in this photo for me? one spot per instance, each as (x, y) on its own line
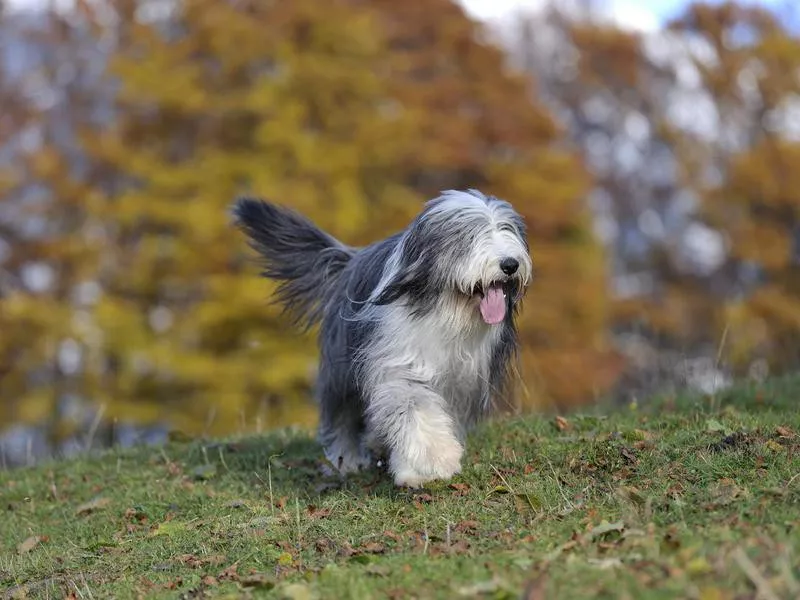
(467, 527)
(230, 573)
(317, 513)
(374, 548)
(536, 588)
(31, 543)
(92, 505)
(461, 488)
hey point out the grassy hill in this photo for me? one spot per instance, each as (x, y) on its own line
(686, 499)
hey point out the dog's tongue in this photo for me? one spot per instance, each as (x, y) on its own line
(493, 305)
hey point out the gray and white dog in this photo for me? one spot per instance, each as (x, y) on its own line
(417, 331)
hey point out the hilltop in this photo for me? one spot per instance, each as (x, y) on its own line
(691, 497)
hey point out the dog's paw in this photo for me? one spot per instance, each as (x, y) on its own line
(346, 462)
(438, 461)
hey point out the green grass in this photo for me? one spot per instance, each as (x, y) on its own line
(681, 500)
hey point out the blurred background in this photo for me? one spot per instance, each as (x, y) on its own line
(652, 146)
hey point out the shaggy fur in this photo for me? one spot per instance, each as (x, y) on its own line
(417, 330)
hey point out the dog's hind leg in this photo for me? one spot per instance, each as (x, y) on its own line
(412, 422)
(341, 436)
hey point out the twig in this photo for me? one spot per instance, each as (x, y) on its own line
(754, 575)
(718, 359)
(222, 458)
(94, 426)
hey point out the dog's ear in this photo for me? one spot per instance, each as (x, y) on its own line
(408, 280)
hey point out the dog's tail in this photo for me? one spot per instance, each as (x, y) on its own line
(306, 261)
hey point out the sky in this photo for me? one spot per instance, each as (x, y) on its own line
(643, 15)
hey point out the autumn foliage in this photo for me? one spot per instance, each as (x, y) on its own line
(123, 284)
(353, 113)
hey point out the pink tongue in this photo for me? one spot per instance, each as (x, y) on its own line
(493, 305)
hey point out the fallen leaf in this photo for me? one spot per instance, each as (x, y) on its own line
(392, 535)
(604, 528)
(774, 446)
(174, 584)
(481, 587)
(461, 488)
(605, 563)
(467, 527)
(784, 432)
(498, 489)
(317, 513)
(323, 545)
(698, 566)
(209, 580)
(459, 547)
(527, 502)
(374, 548)
(711, 594)
(726, 491)
(135, 513)
(193, 561)
(281, 503)
(423, 498)
(561, 423)
(285, 559)
(31, 543)
(230, 573)
(632, 494)
(536, 588)
(629, 455)
(92, 505)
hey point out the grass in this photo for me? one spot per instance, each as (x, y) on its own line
(680, 500)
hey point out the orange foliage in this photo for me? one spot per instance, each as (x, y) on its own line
(352, 113)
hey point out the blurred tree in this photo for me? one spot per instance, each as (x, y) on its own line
(41, 261)
(350, 112)
(688, 133)
(616, 91)
(749, 175)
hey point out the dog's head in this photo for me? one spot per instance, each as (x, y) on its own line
(467, 245)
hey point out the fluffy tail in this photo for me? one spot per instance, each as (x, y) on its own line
(304, 259)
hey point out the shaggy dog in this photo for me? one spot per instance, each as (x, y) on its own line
(417, 331)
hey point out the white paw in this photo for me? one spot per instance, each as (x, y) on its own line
(437, 461)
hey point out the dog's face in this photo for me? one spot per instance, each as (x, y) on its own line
(467, 245)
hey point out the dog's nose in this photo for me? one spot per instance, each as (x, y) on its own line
(509, 265)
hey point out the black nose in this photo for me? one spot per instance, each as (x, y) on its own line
(509, 265)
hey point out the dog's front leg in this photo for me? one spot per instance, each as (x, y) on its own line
(413, 424)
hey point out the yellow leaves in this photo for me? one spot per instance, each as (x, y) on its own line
(344, 112)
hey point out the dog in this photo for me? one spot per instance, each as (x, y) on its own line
(417, 331)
